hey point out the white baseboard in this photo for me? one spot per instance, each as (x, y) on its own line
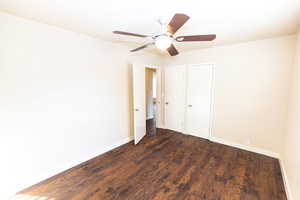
(74, 163)
(245, 147)
(285, 180)
(240, 146)
(160, 126)
(115, 145)
(263, 152)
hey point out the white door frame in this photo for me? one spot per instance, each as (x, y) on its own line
(158, 89)
(158, 111)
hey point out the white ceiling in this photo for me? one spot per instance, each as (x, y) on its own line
(232, 20)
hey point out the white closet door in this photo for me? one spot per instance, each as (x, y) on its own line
(174, 97)
(199, 98)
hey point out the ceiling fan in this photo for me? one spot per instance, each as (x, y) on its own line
(165, 40)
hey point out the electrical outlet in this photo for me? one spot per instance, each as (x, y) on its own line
(248, 141)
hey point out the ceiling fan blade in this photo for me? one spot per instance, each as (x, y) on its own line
(172, 50)
(177, 21)
(191, 38)
(131, 34)
(141, 47)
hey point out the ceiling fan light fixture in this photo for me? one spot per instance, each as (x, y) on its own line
(163, 42)
(165, 39)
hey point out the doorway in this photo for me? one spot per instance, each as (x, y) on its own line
(151, 100)
(147, 87)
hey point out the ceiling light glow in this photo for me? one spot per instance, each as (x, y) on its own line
(163, 42)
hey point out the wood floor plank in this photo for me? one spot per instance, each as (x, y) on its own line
(168, 165)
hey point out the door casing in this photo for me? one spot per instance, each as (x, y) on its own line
(139, 100)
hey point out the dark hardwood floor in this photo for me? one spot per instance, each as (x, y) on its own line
(168, 165)
(151, 127)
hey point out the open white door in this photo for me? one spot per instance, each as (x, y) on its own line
(139, 102)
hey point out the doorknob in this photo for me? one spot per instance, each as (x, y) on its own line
(190, 105)
(136, 109)
(167, 103)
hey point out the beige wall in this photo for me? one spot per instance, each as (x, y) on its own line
(64, 97)
(251, 89)
(62, 102)
(291, 150)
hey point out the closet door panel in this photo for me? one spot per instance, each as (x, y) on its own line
(174, 97)
(199, 96)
